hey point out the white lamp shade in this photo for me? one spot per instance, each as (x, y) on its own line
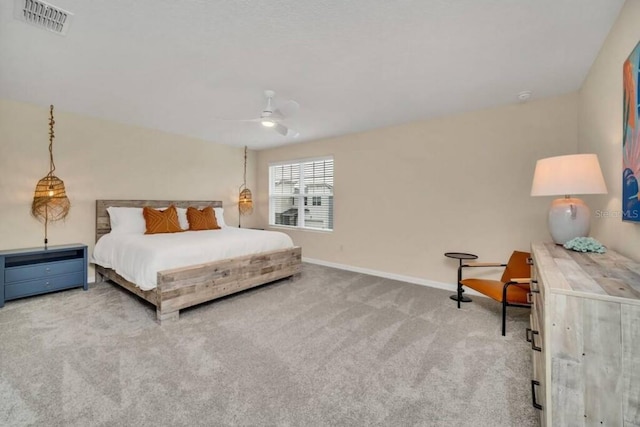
(566, 175)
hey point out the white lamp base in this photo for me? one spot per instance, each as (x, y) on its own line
(568, 218)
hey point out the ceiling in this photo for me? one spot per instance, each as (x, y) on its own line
(179, 66)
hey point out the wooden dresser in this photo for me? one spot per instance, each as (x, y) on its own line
(585, 336)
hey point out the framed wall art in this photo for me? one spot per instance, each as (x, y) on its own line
(631, 138)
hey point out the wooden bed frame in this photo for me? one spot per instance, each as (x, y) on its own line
(188, 286)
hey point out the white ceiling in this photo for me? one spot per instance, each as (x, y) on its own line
(353, 65)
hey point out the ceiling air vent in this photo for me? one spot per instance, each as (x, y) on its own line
(43, 15)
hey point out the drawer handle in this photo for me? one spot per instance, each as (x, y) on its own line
(536, 405)
(529, 298)
(532, 289)
(533, 341)
(529, 261)
(527, 336)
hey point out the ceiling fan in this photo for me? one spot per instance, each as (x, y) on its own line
(271, 117)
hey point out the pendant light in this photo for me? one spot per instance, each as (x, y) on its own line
(245, 203)
(50, 201)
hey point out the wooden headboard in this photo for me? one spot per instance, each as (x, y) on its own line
(103, 225)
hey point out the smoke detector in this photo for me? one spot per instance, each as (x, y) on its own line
(43, 15)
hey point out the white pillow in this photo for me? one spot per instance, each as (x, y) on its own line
(220, 216)
(131, 220)
(182, 218)
(126, 220)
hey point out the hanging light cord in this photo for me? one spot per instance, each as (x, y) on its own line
(244, 179)
(52, 165)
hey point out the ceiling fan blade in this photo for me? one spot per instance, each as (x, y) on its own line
(293, 133)
(281, 129)
(285, 131)
(236, 120)
(277, 114)
(288, 108)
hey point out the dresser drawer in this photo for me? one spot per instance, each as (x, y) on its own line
(42, 270)
(46, 284)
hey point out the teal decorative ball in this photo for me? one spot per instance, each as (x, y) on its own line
(585, 244)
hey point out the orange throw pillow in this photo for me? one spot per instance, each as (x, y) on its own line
(158, 221)
(204, 219)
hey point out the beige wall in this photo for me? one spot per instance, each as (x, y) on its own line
(404, 195)
(600, 129)
(98, 159)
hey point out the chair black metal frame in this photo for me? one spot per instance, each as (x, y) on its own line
(504, 302)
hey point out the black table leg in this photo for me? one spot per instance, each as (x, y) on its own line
(459, 296)
(463, 299)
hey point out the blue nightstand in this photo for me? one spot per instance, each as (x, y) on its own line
(35, 271)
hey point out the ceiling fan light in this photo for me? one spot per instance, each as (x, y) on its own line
(268, 123)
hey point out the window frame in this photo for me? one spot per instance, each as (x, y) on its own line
(301, 196)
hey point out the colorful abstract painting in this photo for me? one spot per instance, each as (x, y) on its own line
(631, 138)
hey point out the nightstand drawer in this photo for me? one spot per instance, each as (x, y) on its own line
(43, 270)
(47, 284)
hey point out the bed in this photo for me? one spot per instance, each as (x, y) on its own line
(186, 286)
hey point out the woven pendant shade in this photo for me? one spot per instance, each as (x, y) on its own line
(246, 203)
(50, 201)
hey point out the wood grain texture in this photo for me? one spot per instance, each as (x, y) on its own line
(609, 276)
(188, 286)
(631, 364)
(589, 312)
(602, 363)
(538, 357)
(110, 274)
(185, 287)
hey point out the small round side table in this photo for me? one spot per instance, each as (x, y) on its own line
(460, 256)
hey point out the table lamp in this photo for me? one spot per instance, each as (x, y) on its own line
(568, 175)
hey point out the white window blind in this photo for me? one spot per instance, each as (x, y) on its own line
(301, 194)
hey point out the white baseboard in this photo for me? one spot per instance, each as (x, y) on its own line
(409, 279)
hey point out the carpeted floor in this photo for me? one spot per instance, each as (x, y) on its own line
(329, 348)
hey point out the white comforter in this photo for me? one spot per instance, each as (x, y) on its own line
(139, 257)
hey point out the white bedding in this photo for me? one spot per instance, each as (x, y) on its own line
(139, 257)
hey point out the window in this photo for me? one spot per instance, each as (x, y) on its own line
(301, 194)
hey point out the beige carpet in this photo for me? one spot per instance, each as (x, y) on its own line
(330, 348)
